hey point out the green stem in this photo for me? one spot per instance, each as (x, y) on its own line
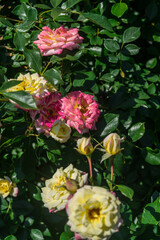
(75, 12)
(11, 19)
(45, 68)
(44, 13)
(99, 143)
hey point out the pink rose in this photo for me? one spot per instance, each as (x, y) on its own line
(54, 41)
(49, 111)
(81, 111)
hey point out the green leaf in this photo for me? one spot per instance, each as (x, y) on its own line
(55, 3)
(56, 12)
(24, 27)
(156, 38)
(136, 131)
(151, 63)
(53, 76)
(22, 98)
(99, 20)
(118, 9)
(34, 191)
(36, 234)
(71, 3)
(143, 95)
(19, 41)
(64, 18)
(33, 59)
(10, 237)
(112, 121)
(3, 204)
(153, 78)
(25, 12)
(131, 49)
(28, 221)
(111, 45)
(9, 84)
(75, 57)
(151, 89)
(151, 156)
(131, 34)
(21, 11)
(95, 51)
(81, 77)
(66, 235)
(6, 22)
(151, 213)
(126, 191)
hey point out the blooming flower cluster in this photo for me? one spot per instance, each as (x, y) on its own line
(93, 212)
(54, 41)
(57, 190)
(79, 111)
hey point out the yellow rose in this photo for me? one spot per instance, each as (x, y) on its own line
(60, 131)
(55, 194)
(31, 83)
(94, 213)
(111, 144)
(85, 146)
(7, 187)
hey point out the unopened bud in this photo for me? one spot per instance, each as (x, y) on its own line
(112, 143)
(85, 146)
(71, 185)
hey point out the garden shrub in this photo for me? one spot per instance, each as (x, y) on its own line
(79, 96)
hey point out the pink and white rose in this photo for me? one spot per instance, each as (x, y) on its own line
(81, 111)
(52, 42)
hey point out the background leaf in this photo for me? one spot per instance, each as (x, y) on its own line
(151, 213)
(22, 98)
(33, 59)
(111, 123)
(131, 34)
(111, 45)
(55, 3)
(99, 20)
(136, 131)
(118, 9)
(126, 191)
(53, 76)
(36, 234)
(19, 41)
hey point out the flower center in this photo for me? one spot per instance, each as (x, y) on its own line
(81, 107)
(94, 213)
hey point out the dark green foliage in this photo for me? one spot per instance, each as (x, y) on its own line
(118, 63)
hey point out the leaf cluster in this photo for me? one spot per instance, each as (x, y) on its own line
(118, 63)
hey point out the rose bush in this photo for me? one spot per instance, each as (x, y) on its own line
(79, 87)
